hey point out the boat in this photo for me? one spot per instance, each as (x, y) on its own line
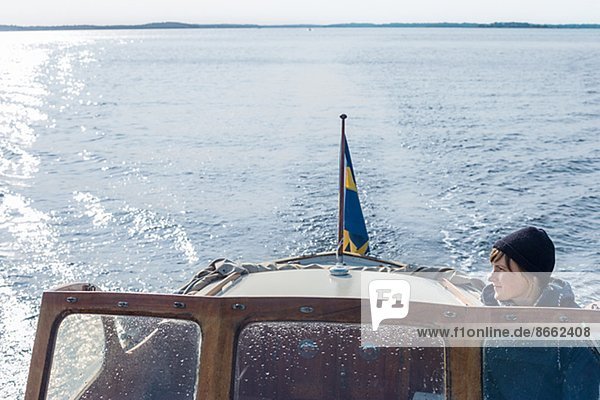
(299, 328)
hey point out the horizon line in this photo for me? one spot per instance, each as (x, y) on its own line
(184, 25)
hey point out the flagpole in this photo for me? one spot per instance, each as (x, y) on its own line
(342, 184)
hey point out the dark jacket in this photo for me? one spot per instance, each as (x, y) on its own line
(544, 373)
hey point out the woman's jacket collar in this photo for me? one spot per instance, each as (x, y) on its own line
(557, 293)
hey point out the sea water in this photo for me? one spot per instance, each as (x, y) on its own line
(131, 158)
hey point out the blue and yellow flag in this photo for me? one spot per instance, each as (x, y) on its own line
(356, 239)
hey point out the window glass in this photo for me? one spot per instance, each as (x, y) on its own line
(107, 357)
(289, 360)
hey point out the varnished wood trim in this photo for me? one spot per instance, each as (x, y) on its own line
(51, 314)
(459, 294)
(221, 320)
(218, 287)
(464, 365)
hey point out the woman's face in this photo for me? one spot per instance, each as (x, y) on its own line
(509, 280)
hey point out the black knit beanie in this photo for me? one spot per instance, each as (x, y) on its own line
(530, 247)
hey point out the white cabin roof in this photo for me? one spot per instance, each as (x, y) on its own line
(320, 283)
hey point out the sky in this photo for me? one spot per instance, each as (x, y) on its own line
(109, 12)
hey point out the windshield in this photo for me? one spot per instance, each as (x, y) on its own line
(105, 357)
(312, 360)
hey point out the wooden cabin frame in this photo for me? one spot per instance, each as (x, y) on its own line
(222, 318)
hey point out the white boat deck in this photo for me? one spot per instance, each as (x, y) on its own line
(320, 283)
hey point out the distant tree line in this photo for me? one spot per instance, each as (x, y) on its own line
(179, 25)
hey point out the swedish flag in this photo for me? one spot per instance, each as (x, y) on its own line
(356, 239)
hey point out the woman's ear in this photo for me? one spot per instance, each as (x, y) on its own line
(533, 279)
(534, 284)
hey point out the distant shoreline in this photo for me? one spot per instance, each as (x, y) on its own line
(179, 25)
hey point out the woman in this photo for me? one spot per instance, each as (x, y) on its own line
(534, 372)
